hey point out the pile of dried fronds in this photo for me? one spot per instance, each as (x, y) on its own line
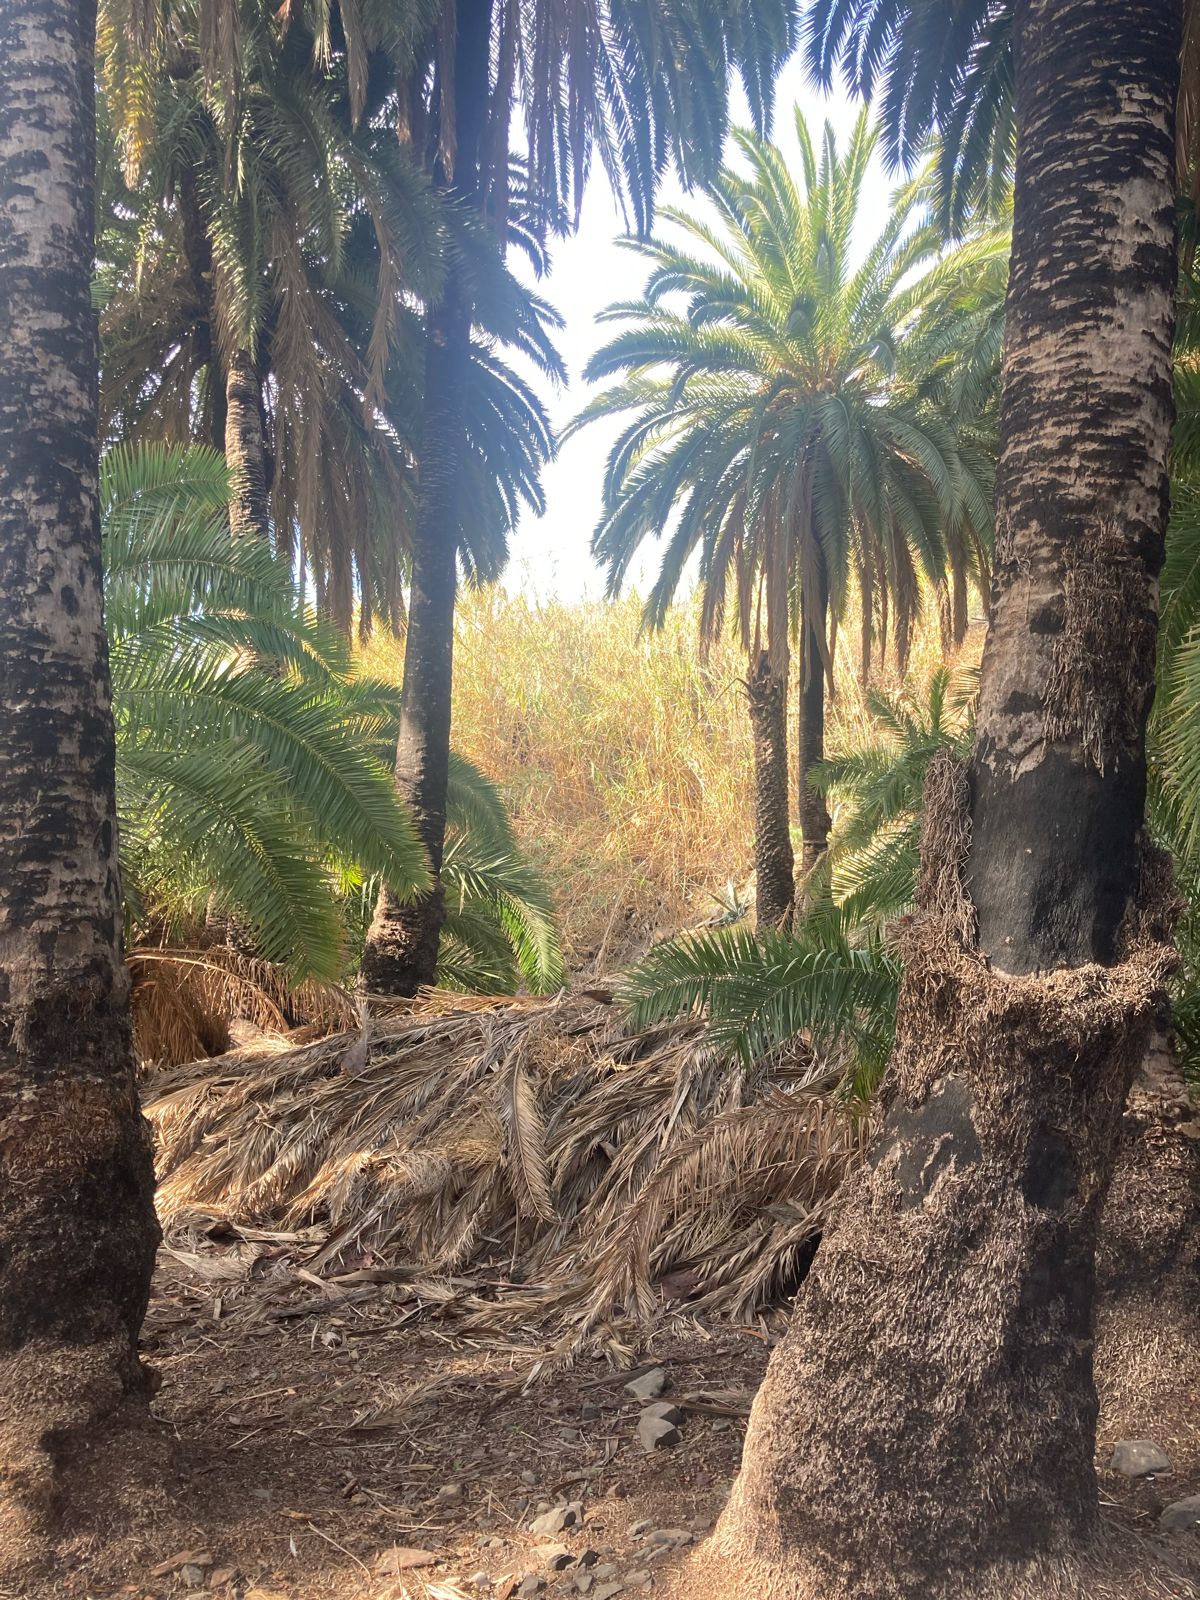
(189, 1003)
(588, 1173)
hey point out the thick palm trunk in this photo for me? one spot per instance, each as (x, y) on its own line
(402, 945)
(814, 814)
(774, 864)
(927, 1428)
(77, 1228)
(245, 454)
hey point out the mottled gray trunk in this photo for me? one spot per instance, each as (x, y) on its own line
(774, 863)
(245, 453)
(401, 951)
(77, 1228)
(927, 1429)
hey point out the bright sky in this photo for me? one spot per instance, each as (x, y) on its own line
(550, 554)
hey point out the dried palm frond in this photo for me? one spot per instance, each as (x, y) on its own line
(186, 1002)
(597, 1169)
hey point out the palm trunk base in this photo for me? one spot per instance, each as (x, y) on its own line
(774, 862)
(77, 1246)
(927, 1427)
(401, 953)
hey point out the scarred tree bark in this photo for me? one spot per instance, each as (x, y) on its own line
(774, 863)
(77, 1227)
(402, 944)
(249, 514)
(927, 1428)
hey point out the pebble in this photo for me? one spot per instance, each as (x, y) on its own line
(529, 1477)
(649, 1386)
(590, 1413)
(607, 1590)
(606, 1570)
(481, 1580)
(531, 1585)
(450, 1494)
(700, 1524)
(583, 1582)
(665, 1410)
(1139, 1458)
(549, 1521)
(655, 1434)
(587, 1557)
(639, 1579)
(191, 1576)
(1181, 1516)
(672, 1538)
(640, 1527)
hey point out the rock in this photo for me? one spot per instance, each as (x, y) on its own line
(220, 1576)
(590, 1413)
(549, 1521)
(655, 1434)
(605, 1571)
(1138, 1458)
(450, 1494)
(671, 1538)
(1181, 1516)
(402, 1558)
(191, 1575)
(649, 1386)
(665, 1410)
(490, 1541)
(606, 1591)
(481, 1580)
(531, 1585)
(570, 1435)
(181, 1559)
(583, 1582)
(587, 1557)
(555, 1556)
(637, 1529)
(529, 1477)
(638, 1579)
(700, 1524)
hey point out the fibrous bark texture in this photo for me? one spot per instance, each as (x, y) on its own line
(77, 1228)
(244, 450)
(774, 863)
(927, 1428)
(402, 944)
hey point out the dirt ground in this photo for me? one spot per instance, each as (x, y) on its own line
(318, 1445)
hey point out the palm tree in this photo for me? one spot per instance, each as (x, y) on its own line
(927, 1428)
(253, 759)
(261, 271)
(777, 424)
(639, 85)
(77, 1226)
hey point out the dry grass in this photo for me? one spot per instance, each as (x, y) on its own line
(583, 1173)
(624, 757)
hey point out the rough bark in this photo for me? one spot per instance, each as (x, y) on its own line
(197, 251)
(814, 814)
(245, 453)
(402, 944)
(774, 864)
(927, 1428)
(77, 1228)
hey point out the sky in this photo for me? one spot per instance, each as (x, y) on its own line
(550, 557)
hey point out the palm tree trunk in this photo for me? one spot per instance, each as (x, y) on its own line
(814, 815)
(774, 865)
(245, 454)
(197, 251)
(402, 945)
(77, 1227)
(927, 1429)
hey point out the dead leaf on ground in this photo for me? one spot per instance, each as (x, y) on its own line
(403, 1558)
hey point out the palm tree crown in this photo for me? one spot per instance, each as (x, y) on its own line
(775, 422)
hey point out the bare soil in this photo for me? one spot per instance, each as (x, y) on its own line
(307, 1445)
